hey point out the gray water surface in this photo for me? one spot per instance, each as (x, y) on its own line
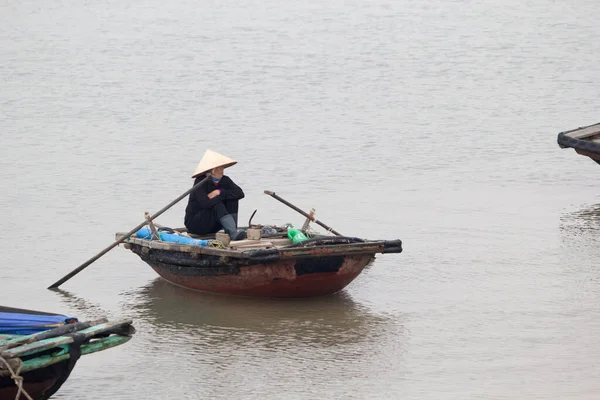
(431, 122)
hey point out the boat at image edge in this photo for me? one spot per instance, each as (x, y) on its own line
(584, 140)
(43, 348)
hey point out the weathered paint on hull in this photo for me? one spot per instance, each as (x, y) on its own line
(593, 156)
(290, 278)
(40, 384)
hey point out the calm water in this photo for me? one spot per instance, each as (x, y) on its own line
(433, 122)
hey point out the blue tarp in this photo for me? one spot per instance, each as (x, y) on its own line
(146, 233)
(15, 323)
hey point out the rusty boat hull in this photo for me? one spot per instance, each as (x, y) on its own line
(290, 278)
(318, 267)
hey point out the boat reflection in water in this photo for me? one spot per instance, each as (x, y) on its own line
(226, 347)
(326, 320)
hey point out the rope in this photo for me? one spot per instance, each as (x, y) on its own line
(17, 378)
(217, 244)
(312, 232)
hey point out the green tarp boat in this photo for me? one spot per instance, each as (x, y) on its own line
(39, 350)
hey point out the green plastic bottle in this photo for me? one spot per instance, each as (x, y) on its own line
(296, 235)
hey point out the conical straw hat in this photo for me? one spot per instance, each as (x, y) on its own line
(212, 159)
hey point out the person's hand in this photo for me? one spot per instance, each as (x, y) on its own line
(214, 194)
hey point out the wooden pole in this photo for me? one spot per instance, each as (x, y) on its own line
(121, 240)
(293, 207)
(308, 220)
(155, 234)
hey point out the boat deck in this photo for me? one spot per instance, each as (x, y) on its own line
(271, 247)
(216, 247)
(584, 140)
(585, 133)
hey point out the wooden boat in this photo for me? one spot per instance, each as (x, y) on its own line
(40, 363)
(584, 140)
(271, 266)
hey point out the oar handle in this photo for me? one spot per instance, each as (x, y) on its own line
(122, 239)
(293, 207)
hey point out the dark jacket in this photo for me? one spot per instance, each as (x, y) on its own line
(199, 200)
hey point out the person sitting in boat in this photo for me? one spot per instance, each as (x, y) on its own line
(214, 204)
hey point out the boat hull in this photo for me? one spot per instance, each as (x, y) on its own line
(584, 140)
(594, 156)
(317, 266)
(309, 277)
(40, 384)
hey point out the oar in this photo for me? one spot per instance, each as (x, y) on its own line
(121, 240)
(293, 207)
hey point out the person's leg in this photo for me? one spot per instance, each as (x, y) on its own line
(213, 219)
(209, 220)
(230, 219)
(203, 223)
(224, 219)
(232, 208)
(220, 210)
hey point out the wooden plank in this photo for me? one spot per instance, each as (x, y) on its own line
(261, 245)
(254, 233)
(35, 347)
(243, 242)
(223, 238)
(582, 133)
(47, 344)
(222, 252)
(105, 327)
(18, 340)
(280, 242)
(153, 244)
(63, 354)
(331, 250)
(185, 248)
